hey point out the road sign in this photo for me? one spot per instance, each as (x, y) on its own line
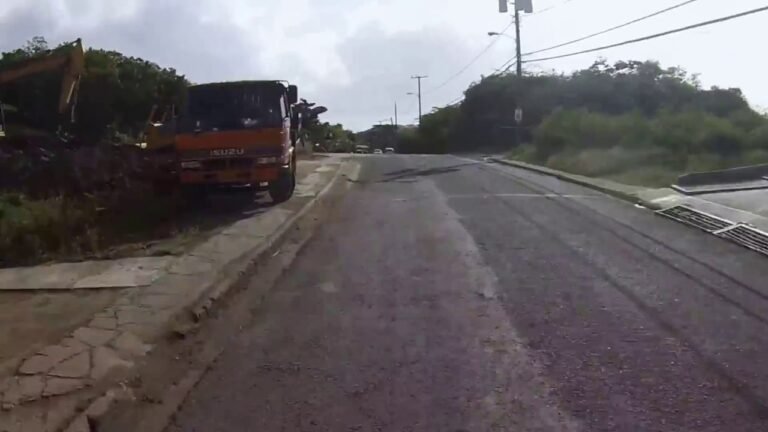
(518, 115)
(524, 5)
(503, 6)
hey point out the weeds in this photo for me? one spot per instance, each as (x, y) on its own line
(648, 151)
(34, 231)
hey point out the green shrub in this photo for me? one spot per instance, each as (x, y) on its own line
(35, 230)
(755, 157)
(646, 150)
(758, 137)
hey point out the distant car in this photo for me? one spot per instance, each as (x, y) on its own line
(389, 150)
(377, 151)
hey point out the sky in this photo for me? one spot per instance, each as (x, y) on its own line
(357, 56)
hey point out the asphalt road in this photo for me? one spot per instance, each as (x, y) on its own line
(447, 294)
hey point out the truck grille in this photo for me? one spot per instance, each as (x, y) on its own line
(227, 163)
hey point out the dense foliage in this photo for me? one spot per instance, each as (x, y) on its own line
(117, 92)
(329, 137)
(634, 120)
(63, 200)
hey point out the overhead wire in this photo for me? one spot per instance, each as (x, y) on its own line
(505, 67)
(455, 101)
(512, 62)
(608, 30)
(653, 36)
(547, 9)
(472, 62)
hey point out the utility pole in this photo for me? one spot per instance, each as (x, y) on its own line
(525, 6)
(396, 124)
(518, 109)
(419, 78)
(517, 38)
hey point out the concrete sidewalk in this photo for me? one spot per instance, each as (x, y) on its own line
(122, 308)
(748, 207)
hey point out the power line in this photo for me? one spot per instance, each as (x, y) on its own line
(679, 5)
(472, 62)
(555, 6)
(505, 67)
(654, 36)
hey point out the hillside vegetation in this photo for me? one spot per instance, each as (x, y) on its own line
(115, 98)
(630, 121)
(85, 190)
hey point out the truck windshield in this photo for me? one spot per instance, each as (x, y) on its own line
(232, 106)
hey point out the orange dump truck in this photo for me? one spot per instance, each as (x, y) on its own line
(239, 133)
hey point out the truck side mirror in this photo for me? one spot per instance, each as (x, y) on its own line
(293, 94)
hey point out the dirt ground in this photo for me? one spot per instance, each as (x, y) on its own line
(162, 381)
(54, 314)
(32, 320)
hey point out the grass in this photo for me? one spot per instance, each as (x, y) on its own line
(651, 167)
(71, 229)
(616, 166)
(34, 230)
(642, 150)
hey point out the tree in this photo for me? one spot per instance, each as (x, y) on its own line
(116, 92)
(643, 88)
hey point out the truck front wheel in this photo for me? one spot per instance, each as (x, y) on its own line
(281, 189)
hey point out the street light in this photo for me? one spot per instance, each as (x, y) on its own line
(500, 34)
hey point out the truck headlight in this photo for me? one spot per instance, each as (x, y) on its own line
(191, 165)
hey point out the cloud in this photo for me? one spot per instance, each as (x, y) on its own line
(357, 57)
(380, 65)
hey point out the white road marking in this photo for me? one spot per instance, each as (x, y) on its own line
(523, 195)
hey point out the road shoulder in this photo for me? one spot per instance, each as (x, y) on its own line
(107, 348)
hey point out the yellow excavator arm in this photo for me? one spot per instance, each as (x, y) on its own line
(69, 58)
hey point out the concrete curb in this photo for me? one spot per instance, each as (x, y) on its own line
(204, 302)
(207, 300)
(607, 187)
(736, 175)
(709, 189)
(652, 199)
(177, 303)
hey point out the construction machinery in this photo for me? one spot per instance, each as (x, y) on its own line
(160, 130)
(20, 116)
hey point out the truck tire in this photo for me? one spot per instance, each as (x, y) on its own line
(281, 189)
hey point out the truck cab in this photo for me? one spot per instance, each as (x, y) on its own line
(239, 133)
